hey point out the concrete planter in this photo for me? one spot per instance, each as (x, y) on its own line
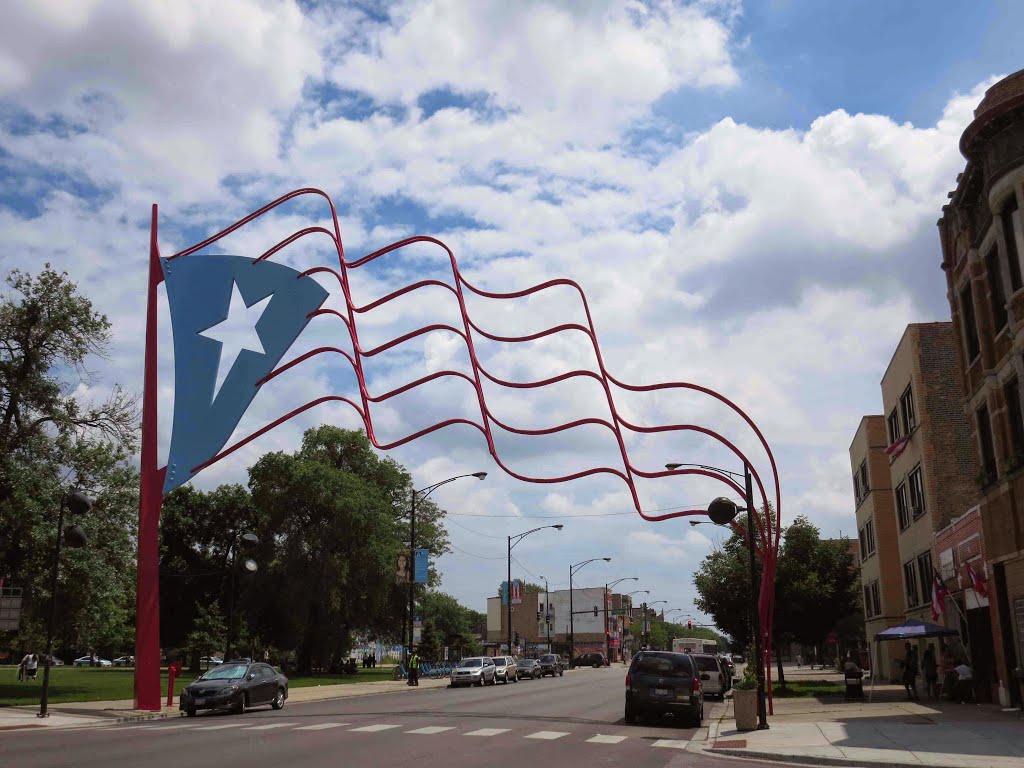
(745, 708)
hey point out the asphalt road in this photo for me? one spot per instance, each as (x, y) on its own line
(575, 720)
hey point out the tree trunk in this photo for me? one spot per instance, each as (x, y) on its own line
(778, 659)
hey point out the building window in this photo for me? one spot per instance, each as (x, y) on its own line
(907, 406)
(864, 485)
(916, 483)
(924, 570)
(872, 603)
(1012, 394)
(910, 583)
(970, 326)
(988, 451)
(894, 427)
(995, 287)
(902, 506)
(856, 488)
(1010, 226)
(867, 539)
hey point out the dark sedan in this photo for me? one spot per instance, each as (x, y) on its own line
(235, 686)
(660, 682)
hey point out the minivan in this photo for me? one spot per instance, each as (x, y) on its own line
(661, 681)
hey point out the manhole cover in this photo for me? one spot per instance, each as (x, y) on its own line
(734, 744)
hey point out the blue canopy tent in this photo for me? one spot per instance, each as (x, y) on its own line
(911, 629)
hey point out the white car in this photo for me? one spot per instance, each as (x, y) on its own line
(505, 669)
(475, 670)
(712, 675)
(124, 661)
(86, 661)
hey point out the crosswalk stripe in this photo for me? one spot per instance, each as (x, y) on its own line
(671, 743)
(320, 726)
(488, 731)
(174, 727)
(374, 728)
(268, 727)
(601, 739)
(548, 735)
(431, 729)
(220, 727)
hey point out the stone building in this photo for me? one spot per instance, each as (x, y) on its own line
(982, 238)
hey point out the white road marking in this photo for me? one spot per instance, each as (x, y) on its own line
(548, 735)
(488, 731)
(432, 729)
(320, 726)
(671, 743)
(601, 739)
(220, 727)
(268, 727)
(174, 727)
(374, 728)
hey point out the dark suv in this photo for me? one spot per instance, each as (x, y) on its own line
(551, 664)
(660, 682)
(594, 660)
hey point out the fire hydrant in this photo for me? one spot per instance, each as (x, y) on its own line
(173, 670)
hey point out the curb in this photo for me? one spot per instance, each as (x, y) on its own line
(812, 759)
(140, 718)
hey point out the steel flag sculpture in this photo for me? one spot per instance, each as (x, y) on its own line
(216, 379)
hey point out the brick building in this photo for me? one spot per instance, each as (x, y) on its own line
(877, 535)
(913, 474)
(982, 237)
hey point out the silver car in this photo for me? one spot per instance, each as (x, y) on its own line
(505, 669)
(474, 670)
(712, 675)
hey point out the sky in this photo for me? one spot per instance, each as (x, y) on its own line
(747, 193)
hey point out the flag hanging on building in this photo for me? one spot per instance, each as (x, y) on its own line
(939, 595)
(898, 447)
(977, 583)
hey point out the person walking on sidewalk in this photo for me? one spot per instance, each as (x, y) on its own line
(931, 673)
(414, 669)
(965, 683)
(910, 673)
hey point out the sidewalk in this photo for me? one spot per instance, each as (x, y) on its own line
(888, 731)
(92, 713)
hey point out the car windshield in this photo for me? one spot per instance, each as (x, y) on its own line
(470, 663)
(226, 672)
(706, 663)
(528, 662)
(500, 662)
(547, 658)
(666, 665)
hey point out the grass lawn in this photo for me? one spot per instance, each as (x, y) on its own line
(69, 684)
(798, 689)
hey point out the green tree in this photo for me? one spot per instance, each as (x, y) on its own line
(454, 622)
(430, 648)
(208, 633)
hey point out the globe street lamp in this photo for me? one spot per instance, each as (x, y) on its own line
(423, 493)
(247, 541)
(572, 622)
(77, 504)
(512, 541)
(607, 633)
(722, 511)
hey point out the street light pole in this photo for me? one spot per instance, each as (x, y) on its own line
(247, 540)
(607, 634)
(508, 584)
(76, 503)
(572, 622)
(409, 619)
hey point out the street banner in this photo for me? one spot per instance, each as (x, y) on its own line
(422, 565)
(517, 592)
(402, 569)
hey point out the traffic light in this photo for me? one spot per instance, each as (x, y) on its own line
(689, 624)
(538, 615)
(595, 611)
(517, 639)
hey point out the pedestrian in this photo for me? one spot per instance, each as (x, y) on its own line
(414, 669)
(21, 668)
(31, 665)
(965, 683)
(931, 673)
(949, 678)
(799, 661)
(373, 660)
(910, 672)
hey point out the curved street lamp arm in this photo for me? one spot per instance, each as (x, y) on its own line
(573, 569)
(516, 538)
(424, 492)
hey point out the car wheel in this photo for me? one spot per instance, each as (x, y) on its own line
(630, 714)
(190, 712)
(278, 702)
(238, 707)
(480, 683)
(697, 719)
(494, 680)
(560, 673)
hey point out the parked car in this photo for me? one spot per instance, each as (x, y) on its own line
(209, 661)
(729, 668)
(505, 669)
(124, 661)
(662, 681)
(737, 659)
(527, 668)
(712, 675)
(54, 661)
(474, 670)
(235, 687)
(86, 661)
(594, 660)
(551, 664)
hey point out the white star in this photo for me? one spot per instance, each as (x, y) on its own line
(235, 333)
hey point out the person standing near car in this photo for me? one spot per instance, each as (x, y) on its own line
(414, 669)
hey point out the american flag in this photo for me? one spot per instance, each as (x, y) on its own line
(898, 447)
(939, 595)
